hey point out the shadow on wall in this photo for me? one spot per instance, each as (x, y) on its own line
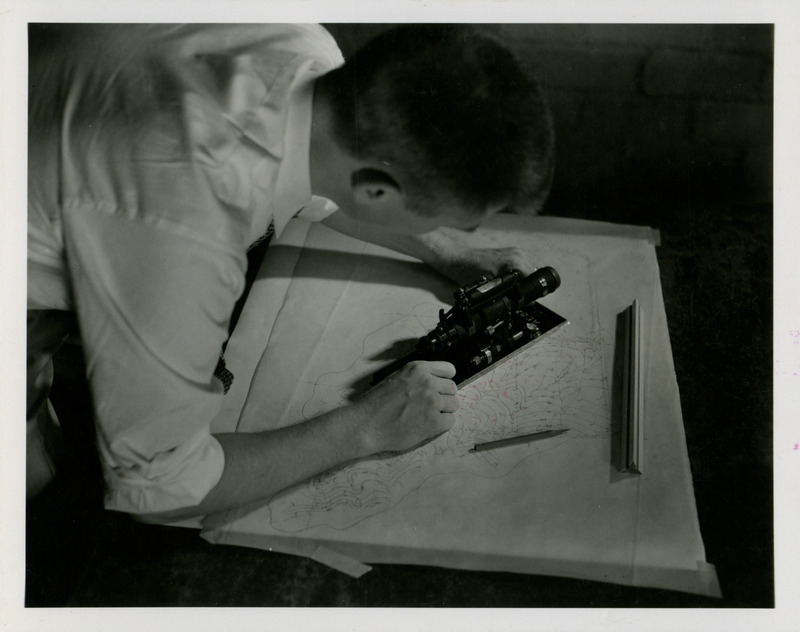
(653, 111)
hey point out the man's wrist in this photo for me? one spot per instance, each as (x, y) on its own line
(351, 429)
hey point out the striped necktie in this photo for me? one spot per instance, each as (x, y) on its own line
(255, 255)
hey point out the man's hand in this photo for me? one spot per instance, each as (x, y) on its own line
(413, 405)
(466, 265)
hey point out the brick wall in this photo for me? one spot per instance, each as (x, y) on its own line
(647, 111)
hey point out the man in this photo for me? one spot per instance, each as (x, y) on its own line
(159, 154)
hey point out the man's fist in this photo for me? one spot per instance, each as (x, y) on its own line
(413, 405)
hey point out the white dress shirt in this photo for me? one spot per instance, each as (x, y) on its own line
(157, 154)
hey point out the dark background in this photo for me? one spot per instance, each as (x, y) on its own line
(663, 125)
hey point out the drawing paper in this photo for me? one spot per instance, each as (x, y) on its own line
(328, 310)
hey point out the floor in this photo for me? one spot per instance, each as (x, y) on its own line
(716, 269)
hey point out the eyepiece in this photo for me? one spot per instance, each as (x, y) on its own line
(550, 277)
(541, 283)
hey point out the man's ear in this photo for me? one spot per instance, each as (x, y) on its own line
(374, 187)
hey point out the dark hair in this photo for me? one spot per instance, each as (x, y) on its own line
(452, 108)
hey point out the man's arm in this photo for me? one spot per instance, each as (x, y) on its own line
(439, 249)
(410, 407)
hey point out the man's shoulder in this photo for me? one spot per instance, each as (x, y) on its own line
(307, 41)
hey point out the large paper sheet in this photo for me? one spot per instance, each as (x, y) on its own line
(325, 316)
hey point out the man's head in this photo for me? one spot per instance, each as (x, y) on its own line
(443, 116)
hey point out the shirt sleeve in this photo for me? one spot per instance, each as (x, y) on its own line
(153, 302)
